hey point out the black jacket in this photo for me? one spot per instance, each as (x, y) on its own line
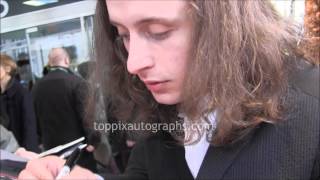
(287, 150)
(16, 106)
(59, 106)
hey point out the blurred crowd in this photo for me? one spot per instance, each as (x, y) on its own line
(51, 112)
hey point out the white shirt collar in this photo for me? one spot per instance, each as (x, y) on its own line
(195, 152)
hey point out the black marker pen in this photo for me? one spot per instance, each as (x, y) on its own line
(71, 161)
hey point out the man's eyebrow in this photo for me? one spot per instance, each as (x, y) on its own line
(149, 20)
(156, 20)
(114, 23)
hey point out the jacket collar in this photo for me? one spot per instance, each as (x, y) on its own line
(11, 87)
(173, 160)
(59, 68)
(218, 159)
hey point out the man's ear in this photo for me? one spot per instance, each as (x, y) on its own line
(67, 61)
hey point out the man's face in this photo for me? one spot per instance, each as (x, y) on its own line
(3, 72)
(157, 36)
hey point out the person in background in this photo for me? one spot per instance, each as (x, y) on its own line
(102, 152)
(120, 143)
(9, 143)
(59, 99)
(16, 102)
(223, 70)
(7, 140)
(86, 68)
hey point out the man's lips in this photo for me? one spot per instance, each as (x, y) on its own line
(155, 86)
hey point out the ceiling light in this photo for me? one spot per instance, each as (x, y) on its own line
(39, 2)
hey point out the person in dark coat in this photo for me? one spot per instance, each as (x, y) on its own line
(16, 102)
(59, 102)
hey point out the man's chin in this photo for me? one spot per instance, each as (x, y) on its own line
(166, 98)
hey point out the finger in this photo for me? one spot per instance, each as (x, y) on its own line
(26, 175)
(38, 169)
(54, 164)
(90, 148)
(19, 151)
(130, 143)
(80, 173)
(26, 154)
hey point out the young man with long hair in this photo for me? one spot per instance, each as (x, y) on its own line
(224, 65)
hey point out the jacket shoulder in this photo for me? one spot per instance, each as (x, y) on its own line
(306, 78)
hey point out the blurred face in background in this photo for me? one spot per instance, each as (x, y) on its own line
(157, 37)
(4, 72)
(7, 68)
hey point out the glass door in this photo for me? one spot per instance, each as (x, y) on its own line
(42, 39)
(15, 45)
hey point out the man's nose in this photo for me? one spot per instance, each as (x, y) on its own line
(139, 56)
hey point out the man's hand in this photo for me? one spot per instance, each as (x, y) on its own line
(48, 168)
(26, 154)
(44, 168)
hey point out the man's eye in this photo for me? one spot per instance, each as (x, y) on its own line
(159, 36)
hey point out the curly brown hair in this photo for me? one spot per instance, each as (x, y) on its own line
(239, 67)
